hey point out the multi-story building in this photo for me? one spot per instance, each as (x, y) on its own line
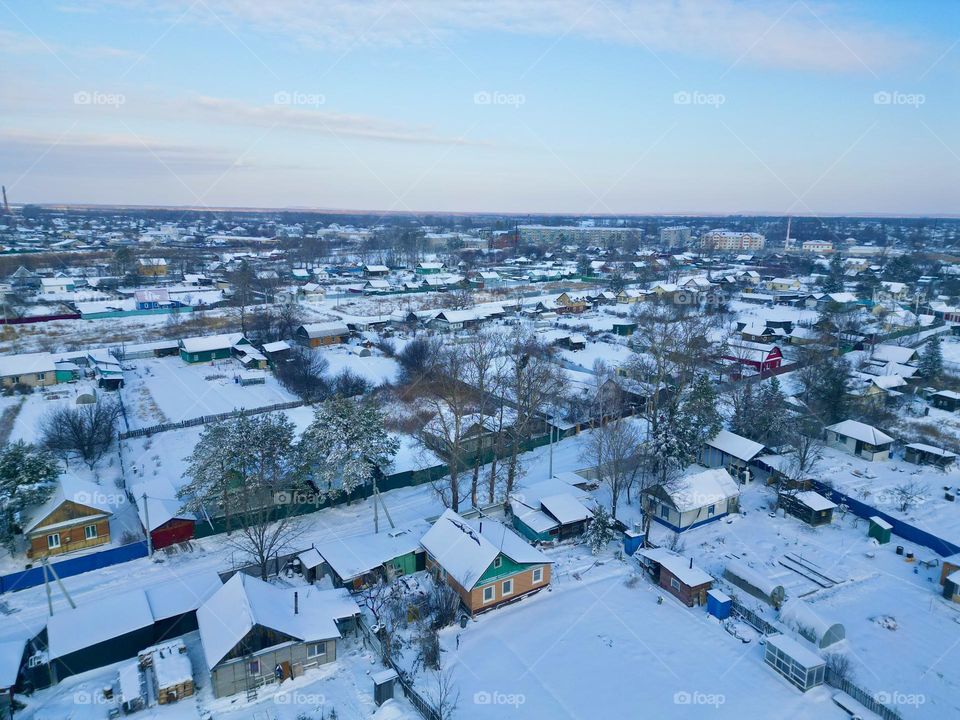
(551, 234)
(732, 240)
(817, 246)
(676, 236)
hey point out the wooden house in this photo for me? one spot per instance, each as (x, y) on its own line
(946, 400)
(375, 271)
(152, 267)
(859, 439)
(321, 334)
(761, 357)
(549, 510)
(696, 498)
(677, 575)
(809, 506)
(210, 347)
(922, 454)
(360, 561)
(731, 451)
(256, 634)
(75, 517)
(32, 369)
(570, 305)
(485, 562)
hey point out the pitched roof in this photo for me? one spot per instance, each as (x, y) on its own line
(73, 489)
(735, 445)
(208, 343)
(702, 488)
(860, 431)
(678, 566)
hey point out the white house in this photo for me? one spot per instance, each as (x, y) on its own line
(700, 496)
(859, 439)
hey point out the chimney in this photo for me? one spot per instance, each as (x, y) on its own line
(296, 600)
(691, 567)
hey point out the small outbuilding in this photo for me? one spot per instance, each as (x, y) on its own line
(677, 575)
(731, 451)
(797, 663)
(718, 604)
(801, 617)
(880, 530)
(946, 400)
(809, 506)
(755, 582)
(860, 439)
(922, 454)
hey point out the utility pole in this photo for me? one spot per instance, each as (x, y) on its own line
(146, 517)
(551, 449)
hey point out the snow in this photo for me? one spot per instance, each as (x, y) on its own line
(795, 650)
(171, 664)
(375, 368)
(96, 621)
(207, 343)
(680, 567)
(735, 445)
(565, 508)
(129, 678)
(702, 488)
(26, 364)
(814, 500)
(11, 653)
(356, 556)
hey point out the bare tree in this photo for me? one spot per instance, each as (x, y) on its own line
(445, 693)
(615, 447)
(84, 431)
(484, 372)
(304, 372)
(262, 538)
(908, 493)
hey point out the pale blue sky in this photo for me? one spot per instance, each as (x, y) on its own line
(498, 105)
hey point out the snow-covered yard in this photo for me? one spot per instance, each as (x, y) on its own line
(169, 390)
(375, 368)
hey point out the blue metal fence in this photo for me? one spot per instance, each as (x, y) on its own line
(74, 566)
(908, 532)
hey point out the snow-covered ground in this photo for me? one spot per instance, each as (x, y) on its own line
(375, 368)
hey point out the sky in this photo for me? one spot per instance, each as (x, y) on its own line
(561, 106)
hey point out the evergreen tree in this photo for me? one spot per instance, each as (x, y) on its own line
(770, 413)
(346, 445)
(743, 415)
(834, 280)
(28, 476)
(599, 530)
(931, 359)
(700, 409)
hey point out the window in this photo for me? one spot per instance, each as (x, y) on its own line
(317, 650)
(40, 377)
(53, 541)
(507, 587)
(15, 379)
(497, 561)
(674, 583)
(712, 510)
(665, 512)
(488, 593)
(253, 667)
(90, 532)
(537, 575)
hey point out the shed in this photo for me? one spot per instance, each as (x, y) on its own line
(383, 682)
(677, 575)
(133, 695)
(880, 530)
(922, 454)
(801, 617)
(729, 450)
(755, 582)
(811, 507)
(797, 663)
(946, 400)
(718, 604)
(951, 586)
(632, 540)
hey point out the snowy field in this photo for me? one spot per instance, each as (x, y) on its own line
(376, 368)
(169, 390)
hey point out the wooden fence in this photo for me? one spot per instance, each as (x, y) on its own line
(207, 419)
(868, 700)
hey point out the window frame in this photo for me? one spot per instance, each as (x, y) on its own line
(498, 562)
(87, 530)
(503, 587)
(50, 544)
(493, 594)
(312, 647)
(675, 584)
(251, 664)
(534, 575)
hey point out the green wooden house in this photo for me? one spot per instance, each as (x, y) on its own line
(210, 347)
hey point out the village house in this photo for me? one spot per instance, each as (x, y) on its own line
(32, 369)
(859, 439)
(428, 268)
(485, 562)
(782, 284)
(375, 271)
(57, 285)
(320, 334)
(360, 561)
(761, 357)
(699, 496)
(809, 506)
(677, 575)
(254, 634)
(731, 451)
(211, 347)
(152, 267)
(549, 510)
(75, 517)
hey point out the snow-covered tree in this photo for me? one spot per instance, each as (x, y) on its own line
(345, 446)
(700, 408)
(599, 530)
(28, 476)
(931, 359)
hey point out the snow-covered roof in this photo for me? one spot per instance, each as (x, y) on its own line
(801, 616)
(735, 445)
(128, 675)
(278, 346)
(325, 329)
(26, 364)
(11, 653)
(465, 549)
(815, 501)
(171, 664)
(801, 654)
(107, 617)
(893, 353)
(211, 342)
(351, 557)
(860, 431)
(678, 566)
(881, 523)
(930, 449)
(182, 594)
(245, 602)
(702, 488)
(565, 508)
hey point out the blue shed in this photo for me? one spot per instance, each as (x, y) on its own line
(718, 604)
(632, 541)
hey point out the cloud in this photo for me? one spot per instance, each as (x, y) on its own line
(13, 43)
(798, 34)
(316, 120)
